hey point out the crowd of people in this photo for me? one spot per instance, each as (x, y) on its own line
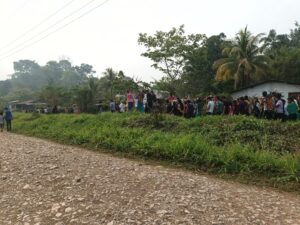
(269, 105)
(5, 117)
(143, 102)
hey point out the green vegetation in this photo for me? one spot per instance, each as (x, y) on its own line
(243, 60)
(192, 64)
(196, 64)
(239, 146)
(61, 83)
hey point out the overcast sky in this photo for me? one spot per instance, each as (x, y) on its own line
(107, 37)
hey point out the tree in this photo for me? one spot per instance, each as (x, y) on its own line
(51, 95)
(295, 36)
(52, 83)
(27, 75)
(168, 50)
(284, 52)
(116, 83)
(84, 70)
(65, 65)
(70, 79)
(20, 95)
(286, 66)
(274, 42)
(5, 87)
(243, 60)
(53, 72)
(25, 66)
(109, 80)
(198, 77)
(214, 45)
(124, 83)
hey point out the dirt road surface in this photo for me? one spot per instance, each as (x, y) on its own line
(42, 182)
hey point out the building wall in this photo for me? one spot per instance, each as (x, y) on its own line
(256, 91)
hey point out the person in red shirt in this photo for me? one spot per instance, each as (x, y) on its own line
(171, 98)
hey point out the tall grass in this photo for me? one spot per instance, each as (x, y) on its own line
(227, 145)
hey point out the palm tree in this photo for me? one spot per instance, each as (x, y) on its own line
(110, 76)
(242, 61)
(93, 86)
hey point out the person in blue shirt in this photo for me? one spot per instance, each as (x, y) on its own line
(8, 118)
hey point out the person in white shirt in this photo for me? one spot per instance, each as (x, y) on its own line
(210, 106)
(279, 107)
(122, 107)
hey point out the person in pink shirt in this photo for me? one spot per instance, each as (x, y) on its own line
(130, 101)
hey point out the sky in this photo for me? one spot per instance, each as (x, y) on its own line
(107, 36)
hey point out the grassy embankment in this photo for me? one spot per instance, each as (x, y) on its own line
(255, 150)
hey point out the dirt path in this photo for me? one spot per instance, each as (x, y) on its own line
(46, 183)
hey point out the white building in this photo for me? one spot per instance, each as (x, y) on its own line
(285, 88)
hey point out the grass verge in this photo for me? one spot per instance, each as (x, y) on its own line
(251, 150)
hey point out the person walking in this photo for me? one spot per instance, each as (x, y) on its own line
(8, 118)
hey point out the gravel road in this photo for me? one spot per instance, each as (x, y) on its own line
(42, 182)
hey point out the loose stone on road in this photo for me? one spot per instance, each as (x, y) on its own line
(42, 182)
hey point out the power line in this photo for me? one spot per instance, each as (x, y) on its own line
(38, 25)
(49, 27)
(56, 30)
(15, 10)
(45, 30)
